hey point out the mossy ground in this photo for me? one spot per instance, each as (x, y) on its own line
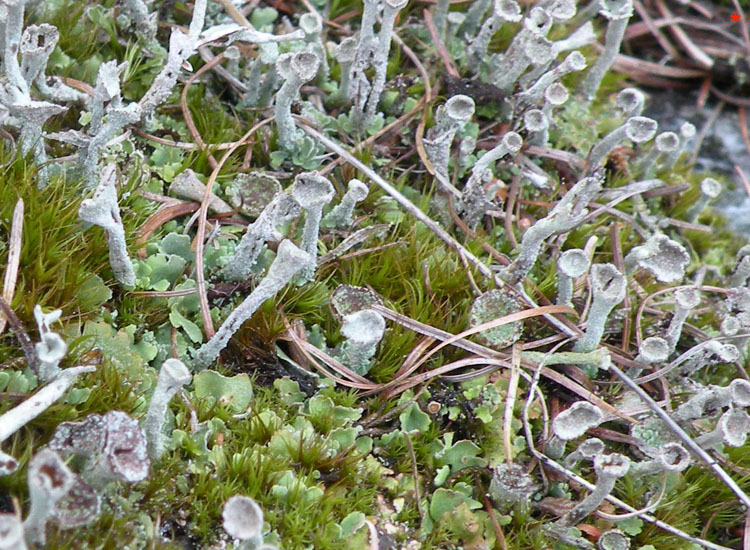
(286, 450)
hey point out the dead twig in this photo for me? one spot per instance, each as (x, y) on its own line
(186, 111)
(14, 259)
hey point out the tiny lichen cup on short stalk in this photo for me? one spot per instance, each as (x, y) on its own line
(554, 95)
(609, 468)
(341, 214)
(587, 450)
(363, 331)
(289, 261)
(449, 118)
(536, 124)
(502, 11)
(312, 25)
(538, 52)
(570, 265)
(345, 53)
(709, 399)
(710, 189)
(708, 353)
(520, 54)
(574, 62)
(510, 143)
(572, 423)
(631, 101)
(243, 520)
(665, 144)
(295, 69)
(52, 348)
(686, 299)
(474, 203)
(671, 457)
(653, 349)
(638, 129)
(312, 191)
(172, 376)
(732, 429)
(661, 256)
(608, 287)
(618, 12)
(730, 325)
(687, 132)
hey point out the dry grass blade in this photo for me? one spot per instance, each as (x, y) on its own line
(396, 387)
(355, 239)
(164, 294)
(14, 259)
(510, 403)
(450, 66)
(423, 345)
(745, 182)
(500, 321)
(159, 218)
(743, 26)
(435, 334)
(186, 110)
(352, 380)
(625, 63)
(743, 130)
